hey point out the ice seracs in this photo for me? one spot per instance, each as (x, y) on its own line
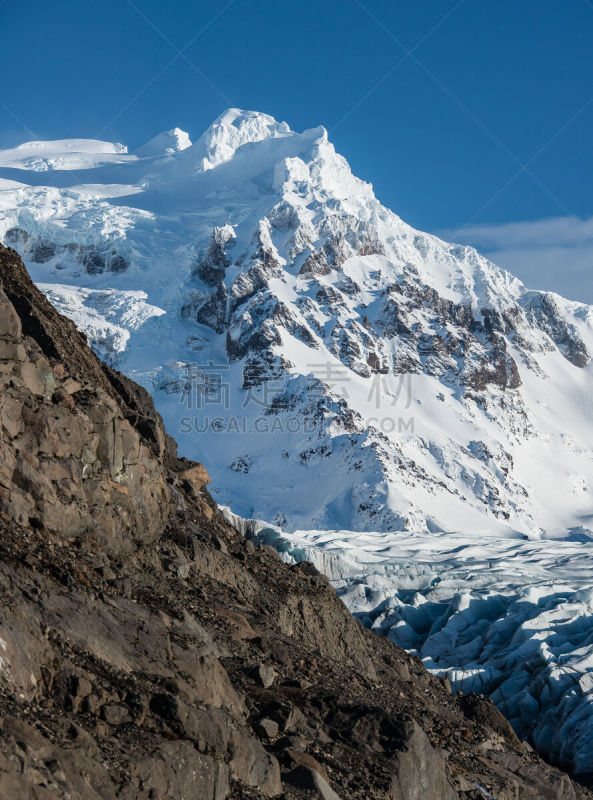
(509, 618)
(109, 317)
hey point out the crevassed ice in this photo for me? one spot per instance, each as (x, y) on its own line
(509, 618)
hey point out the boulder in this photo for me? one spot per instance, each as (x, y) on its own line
(196, 476)
(304, 777)
(264, 675)
(420, 772)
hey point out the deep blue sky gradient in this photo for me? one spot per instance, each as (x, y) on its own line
(438, 137)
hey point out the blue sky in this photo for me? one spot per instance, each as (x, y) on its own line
(466, 113)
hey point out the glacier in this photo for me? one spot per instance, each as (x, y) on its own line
(507, 618)
(403, 412)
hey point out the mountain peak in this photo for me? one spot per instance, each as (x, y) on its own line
(166, 143)
(253, 121)
(233, 129)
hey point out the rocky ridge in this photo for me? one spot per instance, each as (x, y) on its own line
(148, 651)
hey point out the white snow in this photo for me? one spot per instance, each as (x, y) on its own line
(232, 130)
(166, 143)
(521, 461)
(108, 316)
(64, 154)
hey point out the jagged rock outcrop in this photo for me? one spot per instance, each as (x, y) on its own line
(147, 650)
(211, 265)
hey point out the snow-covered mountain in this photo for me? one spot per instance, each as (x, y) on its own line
(421, 416)
(333, 366)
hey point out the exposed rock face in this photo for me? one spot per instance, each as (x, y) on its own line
(148, 651)
(211, 266)
(72, 463)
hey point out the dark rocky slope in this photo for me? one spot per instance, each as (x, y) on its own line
(148, 651)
